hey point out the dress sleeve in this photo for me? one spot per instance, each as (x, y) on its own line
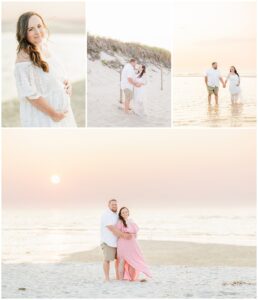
(119, 225)
(25, 82)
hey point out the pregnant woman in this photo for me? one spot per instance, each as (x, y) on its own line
(139, 91)
(129, 255)
(43, 88)
(234, 84)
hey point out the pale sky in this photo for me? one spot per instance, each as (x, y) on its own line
(53, 10)
(145, 22)
(157, 168)
(206, 31)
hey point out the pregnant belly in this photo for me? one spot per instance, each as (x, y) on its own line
(59, 100)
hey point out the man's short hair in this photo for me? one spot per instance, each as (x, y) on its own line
(132, 60)
(214, 63)
(111, 201)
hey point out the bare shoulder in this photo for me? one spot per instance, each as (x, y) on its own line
(22, 56)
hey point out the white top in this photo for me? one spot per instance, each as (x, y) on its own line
(127, 72)
(32, 82)
(213, 77)
(108, 218)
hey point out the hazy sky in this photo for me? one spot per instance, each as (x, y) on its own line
(145, 22)
(206, 31)
(52, 10)
(154, 168)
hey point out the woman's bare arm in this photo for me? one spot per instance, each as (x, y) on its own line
(119, 233)
(42, 105)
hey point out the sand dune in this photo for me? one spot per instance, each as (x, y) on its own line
(103, 95)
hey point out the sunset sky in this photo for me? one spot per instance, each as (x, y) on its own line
(206, 31)
(145, 22)
(144, 168)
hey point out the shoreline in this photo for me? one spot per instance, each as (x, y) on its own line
(181, 254)
(10, 108)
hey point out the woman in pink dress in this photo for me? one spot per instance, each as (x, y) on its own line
(129, 255)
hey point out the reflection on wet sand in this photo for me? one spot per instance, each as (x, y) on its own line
(236, 111)
(190, 105)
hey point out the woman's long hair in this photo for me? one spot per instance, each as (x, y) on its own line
(235, 70)
(25, 45)
(120, 216)
(142, 72)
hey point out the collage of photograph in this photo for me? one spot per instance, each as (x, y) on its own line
(128, 149)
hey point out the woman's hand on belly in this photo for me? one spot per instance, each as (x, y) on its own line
(58, 116)
(68, 87)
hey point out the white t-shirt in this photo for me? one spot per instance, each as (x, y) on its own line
(127, 72)
(213, 77)
(108, 218)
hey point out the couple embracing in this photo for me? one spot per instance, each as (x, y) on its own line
(133, 81)
(119, 244)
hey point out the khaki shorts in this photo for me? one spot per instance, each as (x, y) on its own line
(128, 94)
(213, 90)
(108, 252)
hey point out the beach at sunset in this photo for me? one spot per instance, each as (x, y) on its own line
(196, 244)
(212, 38)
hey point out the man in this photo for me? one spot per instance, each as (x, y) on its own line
(128, 83)
(212, 79)
(109, 235)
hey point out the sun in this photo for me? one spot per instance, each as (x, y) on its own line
(55, 179)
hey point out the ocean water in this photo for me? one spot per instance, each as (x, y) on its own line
(70, 49)
(190, 106)
(46, 236)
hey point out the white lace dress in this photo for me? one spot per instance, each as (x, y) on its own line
(234, 88)
(32, 82)
(139, 96)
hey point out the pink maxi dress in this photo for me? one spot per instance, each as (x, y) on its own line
(130, 252)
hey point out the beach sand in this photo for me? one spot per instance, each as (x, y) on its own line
(179, 270)
(103, 95)
(183, 254)
(10, 109)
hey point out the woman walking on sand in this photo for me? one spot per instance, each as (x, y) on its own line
(43, 88)
(234, 84)
(129, 255)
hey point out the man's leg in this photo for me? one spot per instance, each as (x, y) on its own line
(209, 99)
(106, 267)
(216, 99)
(127, 104)
(216, 94)
(117, 269)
